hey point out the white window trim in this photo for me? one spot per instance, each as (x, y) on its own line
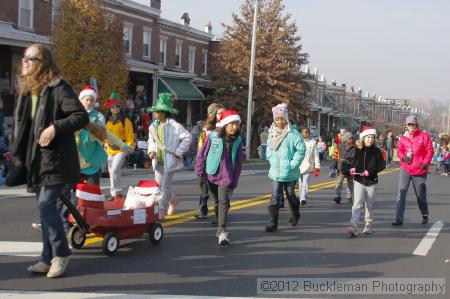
(54, 9)
(205, 55)
(149, 31)
(130, 36)
(31, 16)
(191, 49)
(163, 39)
(179, 43)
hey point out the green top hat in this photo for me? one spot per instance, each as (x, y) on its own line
(163, 103)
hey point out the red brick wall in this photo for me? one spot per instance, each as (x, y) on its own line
(9, 12)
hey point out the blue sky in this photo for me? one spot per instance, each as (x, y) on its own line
(394, 48)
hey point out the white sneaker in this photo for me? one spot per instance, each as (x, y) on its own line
(368, 228)
(173, 203)
(58, 266)
(224, 239)
(36, 226)
(39, 267)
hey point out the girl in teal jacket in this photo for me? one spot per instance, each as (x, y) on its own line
(285, 152)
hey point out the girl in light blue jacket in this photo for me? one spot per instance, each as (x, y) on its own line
(285, 152)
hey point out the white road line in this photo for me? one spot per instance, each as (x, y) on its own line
(20, 248)
(428, 240)
(66, 295)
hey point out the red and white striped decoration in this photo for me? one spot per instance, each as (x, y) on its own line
(89, 192)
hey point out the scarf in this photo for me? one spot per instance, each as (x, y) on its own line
(277, 135)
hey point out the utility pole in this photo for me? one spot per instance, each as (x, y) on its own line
(448, 120)
(250, 84)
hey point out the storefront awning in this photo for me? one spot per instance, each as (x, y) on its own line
(182, 89)
(329, 99)
(11, 36)
(349, 123)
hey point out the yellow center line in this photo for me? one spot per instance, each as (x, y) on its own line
(235, 206)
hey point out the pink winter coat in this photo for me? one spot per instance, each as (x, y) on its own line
(422, 151)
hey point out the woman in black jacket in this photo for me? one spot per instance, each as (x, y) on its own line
(368, 163)
(44, 150)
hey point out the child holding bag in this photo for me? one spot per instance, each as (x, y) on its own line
(219, 161)
(368, 163)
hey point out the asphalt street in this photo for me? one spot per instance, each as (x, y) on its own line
(189, 262)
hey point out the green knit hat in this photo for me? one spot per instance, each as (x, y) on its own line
(163, 103)
(114, 96)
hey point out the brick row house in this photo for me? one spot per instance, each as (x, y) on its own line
(334, 107)
(162, 55)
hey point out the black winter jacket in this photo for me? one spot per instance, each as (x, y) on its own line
(370, 159)
(57, 163)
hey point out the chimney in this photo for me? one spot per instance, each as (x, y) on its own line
(208, 27)
(186, 19)
(316, 71)
(333, 82)
(307, 69)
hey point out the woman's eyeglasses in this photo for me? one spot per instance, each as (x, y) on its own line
(31, 59)
(115, 106)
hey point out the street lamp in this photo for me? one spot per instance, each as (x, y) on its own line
(250, 85)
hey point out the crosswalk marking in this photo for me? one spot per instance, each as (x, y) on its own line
(428, 240)
(20, 248)
(67, 295)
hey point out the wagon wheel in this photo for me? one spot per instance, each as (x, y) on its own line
(110, 244)
(76, 237)
(155, 233)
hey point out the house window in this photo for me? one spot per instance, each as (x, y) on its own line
(191, 60)
(127, 38)
(26, 13)
(162, 51)
(146, 41)
(204, 62)
(178, 54)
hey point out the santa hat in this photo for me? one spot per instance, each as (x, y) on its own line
(147, 187)
(90, 195)
(280, 110)
(87, 91)
(366, 130)
(227, 117)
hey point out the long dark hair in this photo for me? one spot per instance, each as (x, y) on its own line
(222, 133)
(121, 117)
(45, 71)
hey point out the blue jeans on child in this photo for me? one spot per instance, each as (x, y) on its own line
(277, 192)
(53, 236)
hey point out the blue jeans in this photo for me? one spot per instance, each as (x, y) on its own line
(277, 192)
(389, 154)
(53, 236)
(420, 188)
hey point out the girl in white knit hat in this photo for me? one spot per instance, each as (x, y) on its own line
(368, 163)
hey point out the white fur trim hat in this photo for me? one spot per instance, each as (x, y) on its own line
(367, 131)
(88, 91)
(227, 117)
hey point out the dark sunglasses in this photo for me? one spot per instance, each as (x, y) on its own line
(115, 106)
(31, 59)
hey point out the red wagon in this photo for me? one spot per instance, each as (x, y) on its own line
(107, 219)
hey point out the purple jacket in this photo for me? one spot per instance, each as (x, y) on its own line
(224, 176)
